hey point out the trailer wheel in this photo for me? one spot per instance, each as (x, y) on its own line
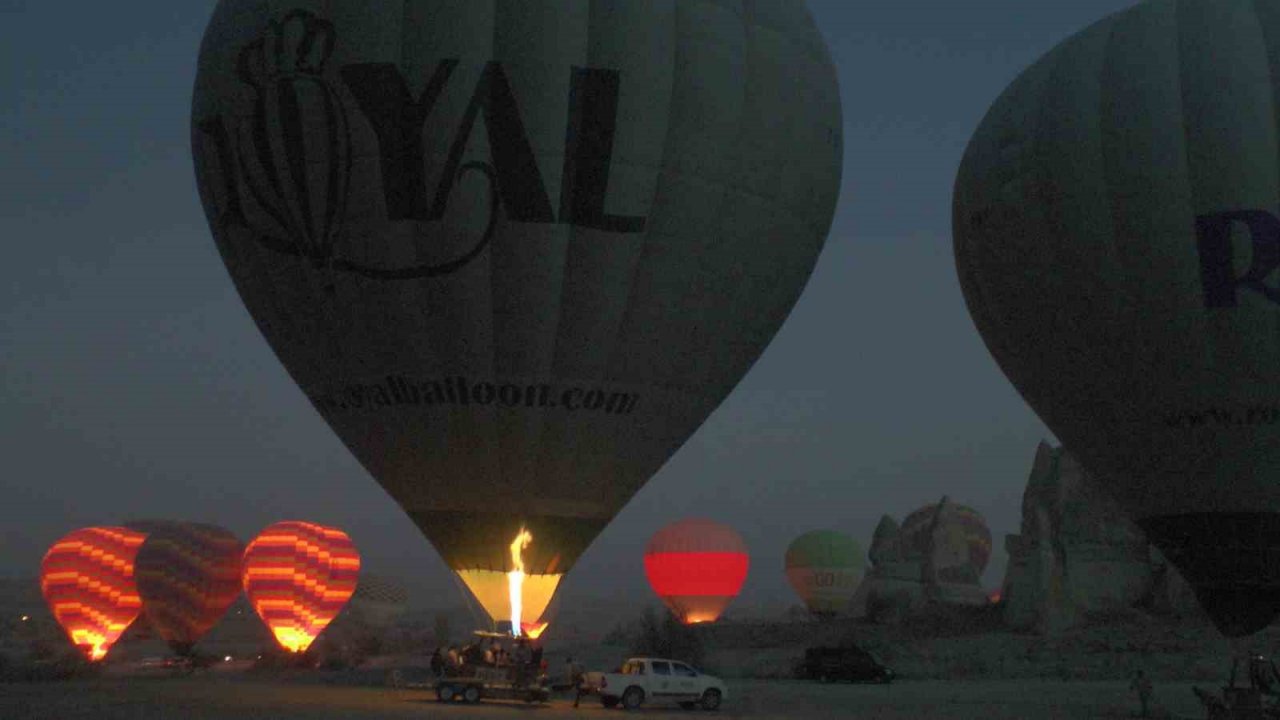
(444, 692)
(471, 694)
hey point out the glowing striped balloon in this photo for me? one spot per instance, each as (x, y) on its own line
(87, 580)
(697, 568)
(298, 575)
(188, 575)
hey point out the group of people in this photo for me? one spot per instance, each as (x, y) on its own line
(523, 657)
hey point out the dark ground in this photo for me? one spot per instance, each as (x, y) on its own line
(228, 698)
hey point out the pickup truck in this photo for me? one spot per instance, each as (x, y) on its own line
(642, 680)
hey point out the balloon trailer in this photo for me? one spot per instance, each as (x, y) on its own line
(473, 681)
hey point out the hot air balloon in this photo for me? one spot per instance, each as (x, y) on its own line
(87, 579)
(188, 574)
(696, 567)
(379, 599)
(824, 567)
(955, 537)
(297, 576)
(1116, 235)
(515, 253)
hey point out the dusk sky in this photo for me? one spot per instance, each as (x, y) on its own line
(133, 382)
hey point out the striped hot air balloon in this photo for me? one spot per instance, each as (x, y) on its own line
(188, 575)
(697, 567)
(298, 575)
(962, 532)
(87, 579)
(380, 599)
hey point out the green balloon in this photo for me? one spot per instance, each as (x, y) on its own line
(824, 567)
(1117, 229)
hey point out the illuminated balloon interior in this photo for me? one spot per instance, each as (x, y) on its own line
(87, 578)
(494, 592)
(298, 576)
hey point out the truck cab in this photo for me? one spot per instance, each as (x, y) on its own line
(658, 680)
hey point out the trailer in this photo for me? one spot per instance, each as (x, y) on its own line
(474, 682)
(1252, 691)
(490, 684)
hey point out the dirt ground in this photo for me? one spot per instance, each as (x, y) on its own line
(222, 698)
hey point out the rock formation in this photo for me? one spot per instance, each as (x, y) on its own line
(1079, 554)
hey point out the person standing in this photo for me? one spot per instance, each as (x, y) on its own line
(521, 658)
(574, 672)
(1142, 685)
(437, 664)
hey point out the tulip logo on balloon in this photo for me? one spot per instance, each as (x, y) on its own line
(284, 176)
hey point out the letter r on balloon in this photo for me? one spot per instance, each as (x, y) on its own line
(1217, 256)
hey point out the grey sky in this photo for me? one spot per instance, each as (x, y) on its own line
(133, 383)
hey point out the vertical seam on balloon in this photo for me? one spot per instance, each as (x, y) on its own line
(489, 416)
(628, 307)
(705, 338)
(540, 459)
(1271, 59)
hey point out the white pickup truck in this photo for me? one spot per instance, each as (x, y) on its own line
(642, 680)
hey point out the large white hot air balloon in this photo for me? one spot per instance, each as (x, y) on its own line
(515, 253)
(1117, 229)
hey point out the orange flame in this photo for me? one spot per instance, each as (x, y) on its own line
(515, 578)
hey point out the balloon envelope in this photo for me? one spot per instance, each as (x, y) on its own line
(297, 576)
(379, 599)
(188, 574)
(956, 535)
(696, 567)
(87, 578)
(824, 568)
(515, 253)
(1116, 232)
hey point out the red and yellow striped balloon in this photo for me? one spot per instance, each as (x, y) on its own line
(87, 580)
(297, 576)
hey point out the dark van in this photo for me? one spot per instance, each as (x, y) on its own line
(849, 663)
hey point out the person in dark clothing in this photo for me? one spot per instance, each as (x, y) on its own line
(520, 658)
(437, 664)
(1142, 685)
(575, 675)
